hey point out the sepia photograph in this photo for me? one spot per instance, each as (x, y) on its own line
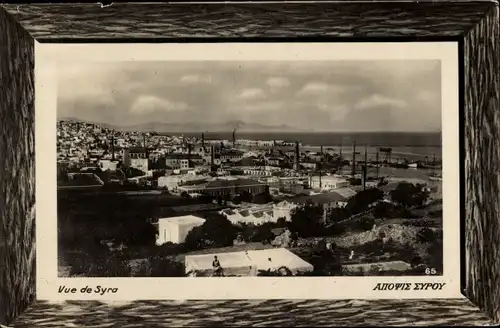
(237, 167)
(249, 169)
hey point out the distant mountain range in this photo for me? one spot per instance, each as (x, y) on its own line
(228, 126)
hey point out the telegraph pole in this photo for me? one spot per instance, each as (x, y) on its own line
(112, 146)
(354, 159)
(365, 168)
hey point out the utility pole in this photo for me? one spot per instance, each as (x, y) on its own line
(433, 163)
(112, 146)
(354, 159)
(365, 168)
(320, 184)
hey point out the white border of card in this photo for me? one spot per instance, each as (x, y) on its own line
(49, 55)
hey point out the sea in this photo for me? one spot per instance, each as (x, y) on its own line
(411, 146)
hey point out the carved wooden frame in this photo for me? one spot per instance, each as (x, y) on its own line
(475, 24)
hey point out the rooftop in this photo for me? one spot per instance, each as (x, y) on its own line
(272, 258)
(183, 156)
(231, 152)
(187, 219)
(222, 183)
(323, 198)
(137, 150)
(329, 177)
(345, 192)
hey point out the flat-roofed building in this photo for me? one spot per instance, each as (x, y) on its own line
(247, 263)
(173, 182)
(175, 229)
(182, 161)
(327, 182)
(327, 200)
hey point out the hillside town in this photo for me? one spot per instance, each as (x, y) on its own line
(150, 204)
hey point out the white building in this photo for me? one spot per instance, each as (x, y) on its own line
(175, 229)
(256, 216)
(173, 182)
(327, 182)
(328, 201)
(309, 165)
(248, 263)
(265, 171)
(283, 210)
(106, 164)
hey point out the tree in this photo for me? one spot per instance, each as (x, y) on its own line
(131, 172)
(307, 220)
(281, 222)
(166, 267)
(62, 174)
(426, 235)
(159, 173)
(244, 196)
(366, 223)
(106, 264)
(363, 199)
(336, 215)
(217, 230)
(237, 172)
(264, 233)
(382, 182)
(355, 182)
(409, 195)
(263, 198)
(195, 238)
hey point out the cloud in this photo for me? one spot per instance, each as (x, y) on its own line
(263, 106)
(278, 82)
(314, 88)
(196, 79)
(336, 112)
(252, 93)
(315, 95)
(378, 101)
(149, 104)
(321, 88)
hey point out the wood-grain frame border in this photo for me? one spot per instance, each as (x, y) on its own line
(475, 23)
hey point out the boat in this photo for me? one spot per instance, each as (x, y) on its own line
(435, 177)
(398, 165)
(413, 165)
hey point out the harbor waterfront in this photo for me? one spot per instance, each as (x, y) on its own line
(188, 181)
(248, 174)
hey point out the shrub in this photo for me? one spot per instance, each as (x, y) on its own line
(409, 195)
(427, 235)
(166, 267)
(281, 222)
(216, 231)
(363, 199)
(307, 221)
(108, 264)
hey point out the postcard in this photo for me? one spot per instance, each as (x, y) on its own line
(247, 170)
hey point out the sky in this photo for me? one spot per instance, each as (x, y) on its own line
(343, 96)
